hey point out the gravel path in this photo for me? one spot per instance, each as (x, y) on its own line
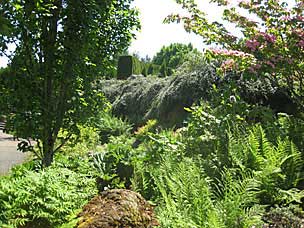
(9, 156)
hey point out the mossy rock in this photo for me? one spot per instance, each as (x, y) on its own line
(288, 217)
(117, 208)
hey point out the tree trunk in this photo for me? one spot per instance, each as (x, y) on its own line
(49, 112)
(48, 151)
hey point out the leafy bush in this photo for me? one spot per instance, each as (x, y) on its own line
(184, 193)
(220, 170)
(139, 99)
(115, 163)
(187, 198)
(43, 199)
(31, 197)
(108, 126)
(132, 99)
(172, 56)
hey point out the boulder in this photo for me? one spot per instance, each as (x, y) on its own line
(116, 209)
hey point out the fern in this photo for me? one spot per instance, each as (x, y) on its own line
(42, 199)
(292, 163)
(185, 193)
(276, 168)
(235, 196)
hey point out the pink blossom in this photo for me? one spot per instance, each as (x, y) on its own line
(269, 63)
(252, 44)
(269, 37)
(286, 18)
(228, 64)
(255, 67)
(301, 43)
(231, 53)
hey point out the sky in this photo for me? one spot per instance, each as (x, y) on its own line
(154, 33)
(3, 62)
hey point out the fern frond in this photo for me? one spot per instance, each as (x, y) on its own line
(291, 164)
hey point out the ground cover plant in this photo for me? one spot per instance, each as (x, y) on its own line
(32, 197)
(212, 177)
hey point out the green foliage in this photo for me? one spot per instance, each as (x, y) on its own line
(115, 163)
(184, 192)
(43, 199)
(270, 45)
(189, 200)
(108, 125)
(143, 132)
(219, 170)
(132, 98)
(51, 83)
(131, 65)
(278, 168)
(291, 127)
(226, 141)
(53, 196)
(127, 66)
(85, 141)
(141, 98)
(153, 69)
(172, 56)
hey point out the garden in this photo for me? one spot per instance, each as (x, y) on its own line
(187, 139)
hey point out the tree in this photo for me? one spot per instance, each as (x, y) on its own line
(172, 56)
(272, 41)
(62, 48)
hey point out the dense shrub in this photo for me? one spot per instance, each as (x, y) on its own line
(115, 163)
(169, 58)
(43, 199)
(31, 197)
(108, 125)
(221, 171)
(132, 98)
(139, 99)
(131, 65)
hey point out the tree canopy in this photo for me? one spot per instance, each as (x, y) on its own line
(271, 44)
(62, 48)
(172, 56)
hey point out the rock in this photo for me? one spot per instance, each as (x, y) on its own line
(118, 208)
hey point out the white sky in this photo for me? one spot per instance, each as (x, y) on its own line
(154, 34)
(3, 62)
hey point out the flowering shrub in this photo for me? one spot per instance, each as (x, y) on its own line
(271, 45)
